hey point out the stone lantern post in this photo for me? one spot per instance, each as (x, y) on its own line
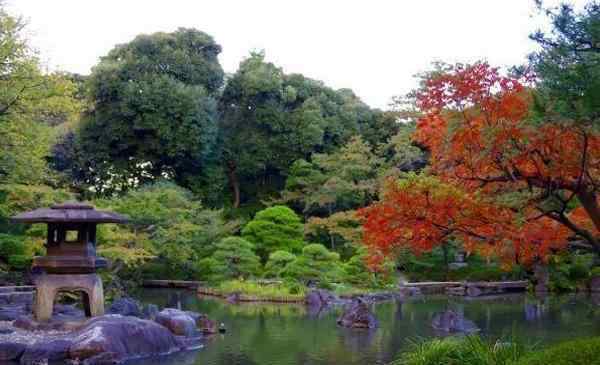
(70, 263)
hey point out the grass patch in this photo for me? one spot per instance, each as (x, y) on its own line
(286, 290)
(262, 291)
(469, 350)
(584, 351)
(349, 290)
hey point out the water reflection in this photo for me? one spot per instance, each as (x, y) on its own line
(293, 334)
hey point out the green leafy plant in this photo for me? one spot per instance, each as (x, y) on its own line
(234, 258)
(275, 228)
(316, 264)
(470, 350)
(577, 352)
(278, 260)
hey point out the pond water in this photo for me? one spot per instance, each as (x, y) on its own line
(268, 334)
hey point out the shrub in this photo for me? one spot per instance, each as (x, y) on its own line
(478, 272)
(568, 270)
(234, 258)
(19, 262)
(253, 288)
(357, 272)
(11, 245)
(577, 352)
(13, 251)
(294, 287)
(169, 229)
(278, 260)
(316, 263)
(275, 228)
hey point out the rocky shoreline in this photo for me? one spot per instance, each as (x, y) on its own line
(127, 332)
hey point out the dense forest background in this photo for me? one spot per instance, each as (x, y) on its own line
(224, 176)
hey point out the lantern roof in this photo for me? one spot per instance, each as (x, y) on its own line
(69, 212)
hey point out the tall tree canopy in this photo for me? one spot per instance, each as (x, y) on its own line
(153, 111)
(19, 66)
(505, 183)
(568, 66)
(32, 103)
(341, 180)
(270, 119)
(478, 129)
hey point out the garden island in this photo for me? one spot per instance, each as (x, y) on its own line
(159, 210)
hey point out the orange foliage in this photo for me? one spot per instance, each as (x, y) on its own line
(483, 144)
(476, 127)
(422, 212)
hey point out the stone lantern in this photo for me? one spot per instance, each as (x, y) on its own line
(70, 263)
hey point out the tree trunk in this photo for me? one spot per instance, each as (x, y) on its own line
(234, 183)
(590, 204)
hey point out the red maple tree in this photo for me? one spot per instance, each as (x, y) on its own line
(421, 212)
(505, 180)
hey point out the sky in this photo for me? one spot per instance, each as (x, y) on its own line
(373, 47)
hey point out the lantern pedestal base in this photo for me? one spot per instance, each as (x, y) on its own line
(48, 285)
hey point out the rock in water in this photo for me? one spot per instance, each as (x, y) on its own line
(11, 351)
(474, 291)
(119, 338)
(319, 298)
(450, 321)
(233, 298)
(150, 311)
(203, 323)
(43, 352)
(409, 291)
(357, 315)
(178, 322)
(125, 307)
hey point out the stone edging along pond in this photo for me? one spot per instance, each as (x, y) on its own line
(470, 289)
(325, 296)
(240, 297)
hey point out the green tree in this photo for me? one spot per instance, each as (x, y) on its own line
(358, 273)
(401, 154)
(24, 89)
(316, 263)
(31, 104)
(234, 258)
(169, 231)
(278, 260)
(20, 242)
(567, 66)
(342, 230)
(153, 112)
(275, 228)
(25, 146)
(270, 119)
(567, 70)
(28, 133)
(341, 180)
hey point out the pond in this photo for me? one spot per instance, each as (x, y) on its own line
(269, 334)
